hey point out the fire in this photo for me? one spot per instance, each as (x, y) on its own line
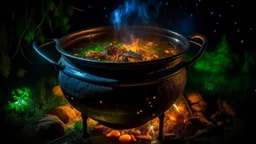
(175, 106)
(134, 46)
(174, 117)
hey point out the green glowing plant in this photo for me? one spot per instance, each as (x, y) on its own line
(211, 72)
(30, 104)
(217, 61)
(21, 97)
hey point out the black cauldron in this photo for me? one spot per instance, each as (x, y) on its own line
(123, 95)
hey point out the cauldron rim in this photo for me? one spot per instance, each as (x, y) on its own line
(178, 37)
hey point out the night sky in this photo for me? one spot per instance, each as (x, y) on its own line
(213, 18)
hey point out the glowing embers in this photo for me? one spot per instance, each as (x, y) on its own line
(174, 118)
(149, 102)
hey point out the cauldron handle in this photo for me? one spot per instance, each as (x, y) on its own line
(202, 46)
(36, 48)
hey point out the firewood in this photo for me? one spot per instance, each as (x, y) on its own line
(188, 106)
(202, 119)
(191, 118)
(169, 135)
(144, 137)
(199, 114)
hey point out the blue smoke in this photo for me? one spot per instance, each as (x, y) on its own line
(184, 25)
(135, 12)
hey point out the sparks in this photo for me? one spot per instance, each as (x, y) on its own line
(175, 106)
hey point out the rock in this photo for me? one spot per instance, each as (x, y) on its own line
(133, 138)
(65, 113)
(228, 109)
(50, 127)
(194, 97)
(136, 132)
(202, 103)
(57, 91)
(78, 113)
(197, 108)
(220, 123)
(125, 138)
(199, 114)
(113, 133)
(144, 137)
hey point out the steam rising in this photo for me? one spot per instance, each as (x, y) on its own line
(135, 12)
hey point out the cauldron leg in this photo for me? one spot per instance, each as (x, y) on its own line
(85, 133)
(161, 126)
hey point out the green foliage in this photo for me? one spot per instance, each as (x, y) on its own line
(54, 15)
(21, 98)
(250, 58)
(78, 126)
(21, 73)
(31, 23)
(211, 74)
(35, 102)
(218, 61)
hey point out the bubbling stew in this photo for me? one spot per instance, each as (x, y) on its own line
(136, 50)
